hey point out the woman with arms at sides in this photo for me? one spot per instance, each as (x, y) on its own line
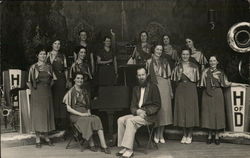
(142, 51)
(213, 107)
(78, 105)
(106, 62)
(169, 52)
(83, 36)
(40, 81)
(160, 73)
(186, 111)
(59, 66)
(197, 56)
(80, 65)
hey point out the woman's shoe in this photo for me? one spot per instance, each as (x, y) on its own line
(106, 150)
(183, 140)
(156, 140)
(162, 140)
(93, 148)
(217, 141)
(189, 140)
(209, 141)
(38, 145)
(50, 143)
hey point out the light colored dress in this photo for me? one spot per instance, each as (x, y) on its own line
(160, 73)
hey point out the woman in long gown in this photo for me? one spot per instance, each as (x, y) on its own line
(186, 111)
(106, 62)
(59, 66)
(78, 105)
(40, 81)
(213, 107)
(142, 51)
(160, 73)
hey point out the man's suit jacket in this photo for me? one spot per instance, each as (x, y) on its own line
(151, 101)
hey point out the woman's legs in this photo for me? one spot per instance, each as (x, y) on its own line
(91, 142)
(46, 137)
(102, 139)
(209, 134)
(38, 139)
(190, 132)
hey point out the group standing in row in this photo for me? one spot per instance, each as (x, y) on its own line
(175, 76)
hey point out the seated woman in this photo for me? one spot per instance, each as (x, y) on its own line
(77, 102)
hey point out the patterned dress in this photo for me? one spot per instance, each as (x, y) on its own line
(42, 114)
(213, 107)
(171, 55)
(160, 73)
(142, 54)
(79, 101)
(59, 67)
(186, 110)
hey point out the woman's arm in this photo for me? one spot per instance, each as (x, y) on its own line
(99, 61)
(115, 65)
(92, 63)
(72, 111)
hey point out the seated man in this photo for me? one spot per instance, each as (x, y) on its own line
(145, 104)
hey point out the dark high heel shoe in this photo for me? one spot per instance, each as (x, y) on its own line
(217, 141)
(106, 150)
(38, 145)
(92, 148)
(209, 141)
(50, 143)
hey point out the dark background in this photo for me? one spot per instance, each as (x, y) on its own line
(25, 24)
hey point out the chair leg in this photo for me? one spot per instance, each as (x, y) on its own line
(150, 141)
(71, 138)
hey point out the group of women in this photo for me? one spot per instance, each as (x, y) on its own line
(50, 78)
(177, 77)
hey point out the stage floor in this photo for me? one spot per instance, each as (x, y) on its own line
(172, 149)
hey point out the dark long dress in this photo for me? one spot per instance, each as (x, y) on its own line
(79, 101)
(106, 72)
(186, 110)
(213, 107)
(59, 89)
(42, 113)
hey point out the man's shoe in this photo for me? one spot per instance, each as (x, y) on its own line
(127, 156)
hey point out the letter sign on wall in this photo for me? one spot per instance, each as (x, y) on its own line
(238, 107)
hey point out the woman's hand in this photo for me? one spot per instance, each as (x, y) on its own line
(68, 84)
(85, 114)
(112, 33)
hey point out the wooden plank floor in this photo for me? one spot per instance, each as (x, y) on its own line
(172, 149)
